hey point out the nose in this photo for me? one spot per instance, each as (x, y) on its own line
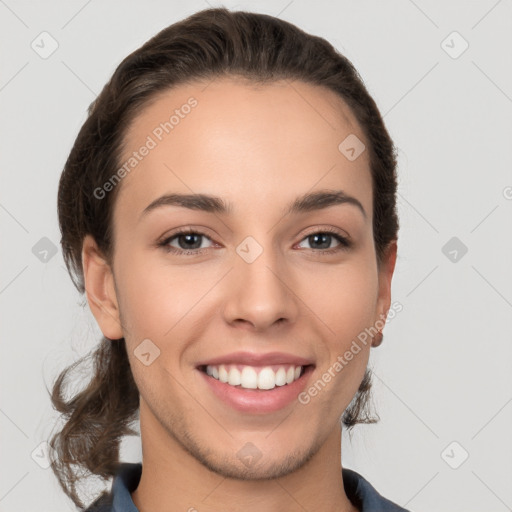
(260, 293)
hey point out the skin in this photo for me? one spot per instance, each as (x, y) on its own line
(258, 147)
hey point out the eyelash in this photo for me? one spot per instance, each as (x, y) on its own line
(345, 244)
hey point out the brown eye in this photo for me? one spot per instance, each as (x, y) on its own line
(188, 242)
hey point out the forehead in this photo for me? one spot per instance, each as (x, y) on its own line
(254, 145)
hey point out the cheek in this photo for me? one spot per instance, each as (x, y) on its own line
(344, 298)
(142, 298)
(165, 304)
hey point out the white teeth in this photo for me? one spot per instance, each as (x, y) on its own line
(281, 377)
(235, 378)
(223, 373)
(249, 378)
(266, 379)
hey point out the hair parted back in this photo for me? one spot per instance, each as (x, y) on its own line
(208, 44)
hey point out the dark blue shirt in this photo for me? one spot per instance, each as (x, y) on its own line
(360, 492)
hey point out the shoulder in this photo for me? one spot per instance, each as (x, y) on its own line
(102, 504)
(126, 479)
(364, 496)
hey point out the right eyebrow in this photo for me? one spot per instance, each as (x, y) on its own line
(202, 202)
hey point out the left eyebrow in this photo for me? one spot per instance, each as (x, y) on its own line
(308, 202)
(323, 199)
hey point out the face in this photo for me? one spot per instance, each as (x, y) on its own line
(253, 283)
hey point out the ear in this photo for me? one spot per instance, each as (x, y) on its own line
(100, 290)
(385, 273)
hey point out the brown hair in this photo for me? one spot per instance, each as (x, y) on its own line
(210, 43)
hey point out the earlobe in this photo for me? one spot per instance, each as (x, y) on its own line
(100, 290)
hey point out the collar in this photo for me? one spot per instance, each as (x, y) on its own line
(360, 492)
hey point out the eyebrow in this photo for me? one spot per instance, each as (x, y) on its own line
(308, 202)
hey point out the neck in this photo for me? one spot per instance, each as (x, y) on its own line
(173, 480)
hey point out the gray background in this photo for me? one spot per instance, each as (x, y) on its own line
(443, 373)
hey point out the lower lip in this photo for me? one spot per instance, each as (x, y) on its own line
(258, 400)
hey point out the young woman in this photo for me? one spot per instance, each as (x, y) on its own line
(229, 210)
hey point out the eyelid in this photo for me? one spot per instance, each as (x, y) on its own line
(199, 230)
(328, 229)
(164, 241)
(344, 240)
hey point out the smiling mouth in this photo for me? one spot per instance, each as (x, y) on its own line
(255, 377)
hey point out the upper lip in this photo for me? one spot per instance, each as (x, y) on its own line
(255, 359)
